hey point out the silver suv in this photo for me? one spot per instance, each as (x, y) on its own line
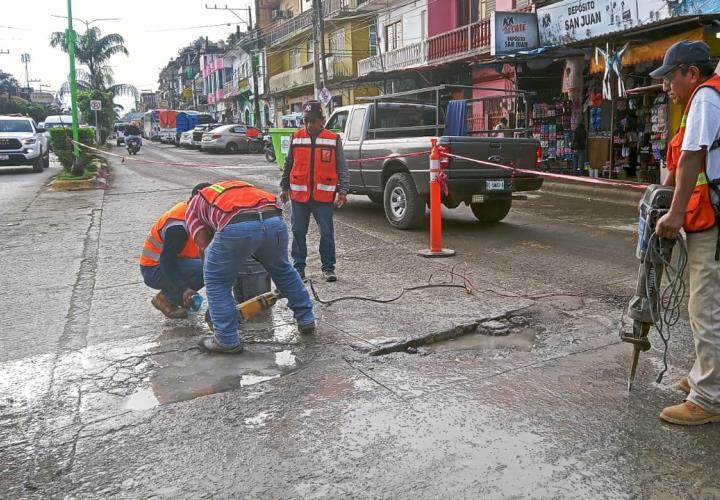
(22, 142)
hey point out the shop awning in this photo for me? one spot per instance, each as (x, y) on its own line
(651, 51)
(550, 53)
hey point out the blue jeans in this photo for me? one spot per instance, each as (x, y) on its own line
(579, 158)
(191, 272)
(225, 257)
(323, 214)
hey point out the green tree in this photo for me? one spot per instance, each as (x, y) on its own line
(94, 51)
(8, 84)
(106, 116)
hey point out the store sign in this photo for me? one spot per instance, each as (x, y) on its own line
(513, 31)
(42, 97)
(572, 21)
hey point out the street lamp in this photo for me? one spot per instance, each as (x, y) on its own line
(25, 59)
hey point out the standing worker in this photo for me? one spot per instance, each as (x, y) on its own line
(694, 156)
(170, 262)
(242, 221)
(314, 168)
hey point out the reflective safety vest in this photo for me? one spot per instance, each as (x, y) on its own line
(229, 196)
(314, 170)
(700, 214)
(154, 242)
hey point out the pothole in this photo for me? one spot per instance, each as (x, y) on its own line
(506, 332)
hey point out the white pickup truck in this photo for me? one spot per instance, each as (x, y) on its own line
(22, 142)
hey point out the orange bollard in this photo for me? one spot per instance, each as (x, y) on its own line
(436, 248)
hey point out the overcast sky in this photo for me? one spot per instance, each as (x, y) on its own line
(154, 30)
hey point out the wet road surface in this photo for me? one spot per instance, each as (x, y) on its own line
(100, 396)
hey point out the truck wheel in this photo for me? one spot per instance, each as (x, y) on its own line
(376, 197)
(37, 165)
(46, 160)
(492, 209)
(404, 207)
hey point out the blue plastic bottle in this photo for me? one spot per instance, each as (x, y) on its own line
(197, 301)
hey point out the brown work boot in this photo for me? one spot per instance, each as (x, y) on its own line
(684, 385)
(688, 413)
(170, 310)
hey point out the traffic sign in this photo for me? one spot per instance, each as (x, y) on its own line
(325, 96)
(95, 105)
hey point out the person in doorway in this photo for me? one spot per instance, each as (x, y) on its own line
(170, 262)
(315, 175)
(644, 157)
(502, 125)
(229, 222)
(694, 157)
(579, 142)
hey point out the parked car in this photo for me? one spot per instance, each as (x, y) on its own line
(198, 132)
(401, 184)
(53, 121)
(186, 139)
(233, 139)
(22, 142)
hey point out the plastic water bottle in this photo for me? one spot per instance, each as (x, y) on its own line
(197, 301)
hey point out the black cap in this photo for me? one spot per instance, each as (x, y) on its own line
(312, 110)
(686, 53)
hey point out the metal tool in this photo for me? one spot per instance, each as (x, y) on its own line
(644, 307)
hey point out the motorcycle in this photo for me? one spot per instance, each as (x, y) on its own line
(133, 145)
(268, 148)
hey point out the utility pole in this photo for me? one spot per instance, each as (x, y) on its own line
(316, 48)
(25, 59)
(77, 169)
(251, 50)
(321, 29)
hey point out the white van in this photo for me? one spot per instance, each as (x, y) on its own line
(56, 121)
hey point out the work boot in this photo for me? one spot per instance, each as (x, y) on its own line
(684, 385)
(210, 345)
(170, 310)
(330, 276)
(308, 329)
(688, 413)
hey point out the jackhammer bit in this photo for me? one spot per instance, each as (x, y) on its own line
(644, 307)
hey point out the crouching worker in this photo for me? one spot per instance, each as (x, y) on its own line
(170, 262)
(231, 221)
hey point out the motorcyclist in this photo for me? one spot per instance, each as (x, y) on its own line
(133, 131)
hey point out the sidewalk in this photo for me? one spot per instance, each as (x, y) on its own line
(612, 194)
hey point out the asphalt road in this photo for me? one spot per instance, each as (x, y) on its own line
(102, 397)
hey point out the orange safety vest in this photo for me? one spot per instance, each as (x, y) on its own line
(314, 169)
(700, 214)
(229, 196)
(154, 242)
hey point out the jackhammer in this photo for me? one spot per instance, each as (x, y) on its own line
(649, 305)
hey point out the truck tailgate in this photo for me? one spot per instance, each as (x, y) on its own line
(521, 152)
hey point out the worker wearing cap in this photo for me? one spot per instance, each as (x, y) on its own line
(231, 221)
(315, 175)
(170, 262)
(694, 160)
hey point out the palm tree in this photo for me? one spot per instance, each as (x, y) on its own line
(94, 51)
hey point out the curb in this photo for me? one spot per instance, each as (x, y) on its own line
(100, 180)
(608, 194)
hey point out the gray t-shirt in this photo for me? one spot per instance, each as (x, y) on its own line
(703, 128)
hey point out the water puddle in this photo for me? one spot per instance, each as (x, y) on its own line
(522, 340)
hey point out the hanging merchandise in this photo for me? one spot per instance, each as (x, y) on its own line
(551, 125)
(612, 65)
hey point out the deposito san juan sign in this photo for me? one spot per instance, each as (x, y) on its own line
(575, 20)
(513, 31)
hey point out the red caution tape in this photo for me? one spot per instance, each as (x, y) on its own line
(586, 180)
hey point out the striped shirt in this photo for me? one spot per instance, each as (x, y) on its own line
(201, 214)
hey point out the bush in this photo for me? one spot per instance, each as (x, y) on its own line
(63, 149)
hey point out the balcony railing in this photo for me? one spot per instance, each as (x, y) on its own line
(337, 69)
(473, 39)
(406, 57)
(303, 21)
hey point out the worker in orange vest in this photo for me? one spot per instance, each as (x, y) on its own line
(315, 173)
(170, 262)
(231, 221)
(694, 161)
